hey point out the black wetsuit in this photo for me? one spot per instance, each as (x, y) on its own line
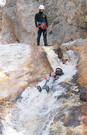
(40, 18)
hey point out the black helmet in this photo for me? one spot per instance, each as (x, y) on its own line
(60, 72)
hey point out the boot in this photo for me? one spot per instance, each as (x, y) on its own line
(39, 88)
(47, 89)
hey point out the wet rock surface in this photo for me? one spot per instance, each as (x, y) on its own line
(1, 10)
(5, 106)
(18, 68)
(80, 48)
(1, 128)
(71, 118)
(68, 121)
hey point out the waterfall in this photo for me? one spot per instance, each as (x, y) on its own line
(2, 3)
(35, 111)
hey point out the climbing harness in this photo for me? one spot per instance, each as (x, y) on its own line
(42, 25)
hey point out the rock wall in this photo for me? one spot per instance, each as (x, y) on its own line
(19, 68)
(18, 22)
(82, 73)
(67, 20)
(1, 19)
(80, 48)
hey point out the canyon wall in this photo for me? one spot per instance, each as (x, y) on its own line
(67, 20)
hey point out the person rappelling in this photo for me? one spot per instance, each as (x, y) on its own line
(52, 78)
(41, 24)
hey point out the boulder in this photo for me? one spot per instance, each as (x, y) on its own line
(19, 68)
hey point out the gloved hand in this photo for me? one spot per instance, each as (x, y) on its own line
(37, 28)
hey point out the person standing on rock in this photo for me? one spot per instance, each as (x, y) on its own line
(41, 25)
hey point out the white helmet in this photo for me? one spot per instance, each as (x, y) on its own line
(41, 7)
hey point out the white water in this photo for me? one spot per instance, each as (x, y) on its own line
(34, 112)
(2, 3)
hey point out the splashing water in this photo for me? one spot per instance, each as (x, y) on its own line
(2, 3)
(34, 112)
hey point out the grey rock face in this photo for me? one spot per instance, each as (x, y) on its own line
(67, 20)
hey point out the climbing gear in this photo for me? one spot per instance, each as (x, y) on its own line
(41, 7)
(41, 23)
(42, 26)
